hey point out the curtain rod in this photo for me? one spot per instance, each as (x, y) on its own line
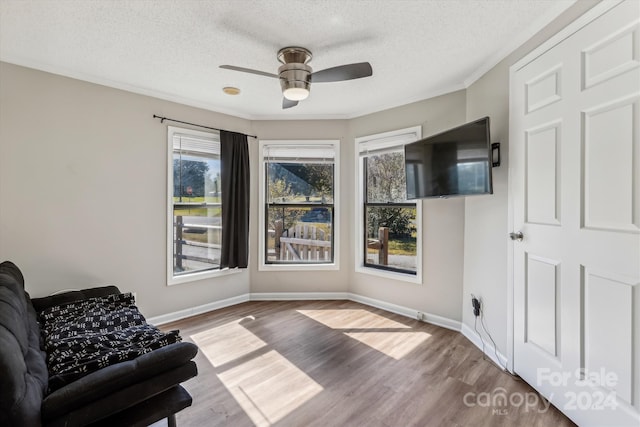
(162, 119)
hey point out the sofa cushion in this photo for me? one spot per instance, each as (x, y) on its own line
(23, 371)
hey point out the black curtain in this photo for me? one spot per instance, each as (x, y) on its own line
(234, 174)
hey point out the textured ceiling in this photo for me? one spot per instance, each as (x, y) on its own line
(171, 49)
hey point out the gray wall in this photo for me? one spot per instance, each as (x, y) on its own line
(82, 184)
(443, 220)
(486, 244)
(300, 281)
(83, 189)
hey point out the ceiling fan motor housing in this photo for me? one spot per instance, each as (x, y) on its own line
(295, 76)
(291, 55)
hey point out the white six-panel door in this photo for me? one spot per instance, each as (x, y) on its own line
(575, 193)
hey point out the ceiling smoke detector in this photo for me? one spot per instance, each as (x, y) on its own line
(230, 90)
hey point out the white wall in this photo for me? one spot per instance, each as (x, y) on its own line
(83, 189)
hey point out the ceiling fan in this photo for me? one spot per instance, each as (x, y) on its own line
(296, 76)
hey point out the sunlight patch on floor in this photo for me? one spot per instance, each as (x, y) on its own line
(228, 342)
(269, 387)
(352, 319)
(393, 344)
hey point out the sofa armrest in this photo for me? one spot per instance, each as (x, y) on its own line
(116, 377)
(137, 401)
(66, 297)
(147, 412)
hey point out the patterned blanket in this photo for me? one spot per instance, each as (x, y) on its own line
(84, 336)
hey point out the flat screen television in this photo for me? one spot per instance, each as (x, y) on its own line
(456, 162)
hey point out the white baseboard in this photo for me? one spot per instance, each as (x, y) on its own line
(444, 322)
(393, 308)
(408, 312)
(307, 296)
(489, 349)
(298, 296)
(187, 312)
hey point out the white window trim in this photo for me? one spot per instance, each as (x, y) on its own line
(189, 277)
(262, 264)
(383, 142)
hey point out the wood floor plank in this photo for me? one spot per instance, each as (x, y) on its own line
(341, 363)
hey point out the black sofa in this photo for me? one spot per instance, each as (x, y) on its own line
(135, 392)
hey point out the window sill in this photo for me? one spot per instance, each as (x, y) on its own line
(188, 278)
(403, 277)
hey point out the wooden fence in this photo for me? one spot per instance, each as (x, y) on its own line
(181, 243)
(381, 244)
(306, 242)
(302, 242)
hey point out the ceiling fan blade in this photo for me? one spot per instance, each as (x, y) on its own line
(342, 72)
(248, 70)
(287, 103)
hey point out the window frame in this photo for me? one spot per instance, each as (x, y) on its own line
(381, 142)
(197, 275)
(262, 203)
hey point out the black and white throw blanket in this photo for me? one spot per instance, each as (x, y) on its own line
(84, 336)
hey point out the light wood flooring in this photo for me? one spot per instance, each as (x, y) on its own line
(340, 363)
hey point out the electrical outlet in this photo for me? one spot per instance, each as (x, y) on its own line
(476, 304)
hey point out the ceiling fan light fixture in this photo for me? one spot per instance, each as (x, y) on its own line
(296, 93)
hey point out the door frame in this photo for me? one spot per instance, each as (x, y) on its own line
(592, 14)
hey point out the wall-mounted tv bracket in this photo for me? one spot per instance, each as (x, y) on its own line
(495, 154)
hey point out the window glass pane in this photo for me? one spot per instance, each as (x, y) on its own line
(299, 234)
(390, 233)
(299, 182)
(391, 237)
(195, 178)
(197, 212)
(298, 202)
(385, 177)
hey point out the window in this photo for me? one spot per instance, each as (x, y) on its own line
(389, 235)
(194, 226)
(298, 198)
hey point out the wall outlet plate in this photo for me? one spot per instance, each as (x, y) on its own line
(476, 304)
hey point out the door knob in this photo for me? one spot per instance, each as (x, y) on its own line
(516, 236)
